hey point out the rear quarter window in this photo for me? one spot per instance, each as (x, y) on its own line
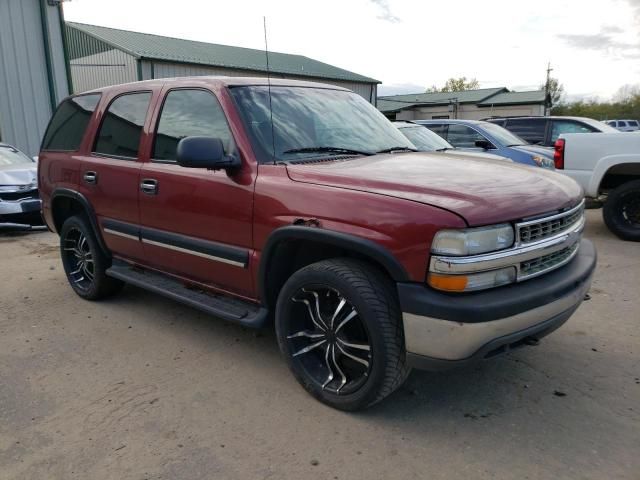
(69, 122)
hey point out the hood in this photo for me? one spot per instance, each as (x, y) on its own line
(477, 155)
(483, 191)
(536, 150)
(19, 174)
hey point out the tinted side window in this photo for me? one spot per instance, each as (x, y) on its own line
(122, 124)
(69, 122)
(562, 126)
(530, 129)
(187, 113)
(463, 137)
(439, 128)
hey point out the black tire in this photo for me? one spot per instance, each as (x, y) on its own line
(621, 211)
(329, 371)
(84, 262)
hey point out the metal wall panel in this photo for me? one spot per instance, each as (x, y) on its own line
(32, 71)
(154, 69)
(102, 69)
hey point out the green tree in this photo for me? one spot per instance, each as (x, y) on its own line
(625, 104)
(556, 91)
(456, 85)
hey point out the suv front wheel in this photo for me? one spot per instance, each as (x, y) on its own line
(84, 262)
(339, 328)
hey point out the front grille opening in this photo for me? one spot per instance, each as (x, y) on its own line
(547, 262)
(23, 195)
(544, 229)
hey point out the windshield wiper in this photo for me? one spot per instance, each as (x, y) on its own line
(327, 150)
(397, 149)
(444, 149)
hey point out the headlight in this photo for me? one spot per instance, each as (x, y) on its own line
(543, 162)
(472, 241)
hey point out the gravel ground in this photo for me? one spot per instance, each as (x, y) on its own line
(139, 387)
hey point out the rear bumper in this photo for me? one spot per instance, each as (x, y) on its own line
(446, 330)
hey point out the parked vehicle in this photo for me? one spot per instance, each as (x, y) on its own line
(301, 202)
(19, 200)
(427, 141)
(607, 166)
(546, 130)
(478, 136)
(624, 125)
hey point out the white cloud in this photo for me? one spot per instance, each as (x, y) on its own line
(410, 42)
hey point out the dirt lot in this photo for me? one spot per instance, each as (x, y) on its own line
(139, 387)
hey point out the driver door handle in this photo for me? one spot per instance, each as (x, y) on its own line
(149, 186)
(90, 177)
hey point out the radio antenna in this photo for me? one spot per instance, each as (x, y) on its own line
(266, 52)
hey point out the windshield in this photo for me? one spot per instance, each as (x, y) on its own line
(11, 156)
(502, 135)
(424, 139)
(312, 122)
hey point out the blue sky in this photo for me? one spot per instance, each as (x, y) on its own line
(593, 46)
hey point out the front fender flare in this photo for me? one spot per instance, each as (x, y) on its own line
(362, 246)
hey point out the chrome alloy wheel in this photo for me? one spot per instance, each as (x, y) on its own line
(328, 340)
(79, 258)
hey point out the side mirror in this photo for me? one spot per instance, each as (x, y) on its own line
(204, 152)
(485, 144)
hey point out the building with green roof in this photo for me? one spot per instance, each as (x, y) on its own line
(101, 56)
(469, 104)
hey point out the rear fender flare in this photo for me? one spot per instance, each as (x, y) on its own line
(89, 211)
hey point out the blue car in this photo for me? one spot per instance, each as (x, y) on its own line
(474, 135)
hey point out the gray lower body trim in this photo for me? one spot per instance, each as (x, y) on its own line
(455, 341)
(217, 252)
(193, 252)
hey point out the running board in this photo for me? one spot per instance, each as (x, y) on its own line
(227, 308)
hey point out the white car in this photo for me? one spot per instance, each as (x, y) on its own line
(607, 166)
(624, 125)
(19, 200)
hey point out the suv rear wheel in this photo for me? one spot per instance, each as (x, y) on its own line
(84, 262)
(621, 211)
(339, 328)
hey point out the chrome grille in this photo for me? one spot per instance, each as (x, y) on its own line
(547, 262)
(536, 230)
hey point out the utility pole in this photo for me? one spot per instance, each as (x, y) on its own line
(547, 93)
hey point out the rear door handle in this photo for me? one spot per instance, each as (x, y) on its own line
(149, 186)
(90, 178)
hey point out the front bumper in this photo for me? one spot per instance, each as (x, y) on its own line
(445, 330)
(20, 214)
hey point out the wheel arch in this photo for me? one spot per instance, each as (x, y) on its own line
(66, 203)
(293, 247)
(613, 171)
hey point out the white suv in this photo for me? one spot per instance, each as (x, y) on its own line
(624, 125)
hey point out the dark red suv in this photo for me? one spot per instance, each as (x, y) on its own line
(299, 203)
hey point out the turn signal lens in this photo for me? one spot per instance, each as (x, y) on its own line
(449, 283)
(475, 281)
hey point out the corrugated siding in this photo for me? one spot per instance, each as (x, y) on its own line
(96, 64)
(25, 103)
(154, 69)
(110, 67)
